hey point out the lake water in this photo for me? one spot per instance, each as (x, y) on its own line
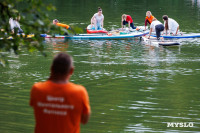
(132, 87)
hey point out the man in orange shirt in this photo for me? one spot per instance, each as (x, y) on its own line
(60, 105)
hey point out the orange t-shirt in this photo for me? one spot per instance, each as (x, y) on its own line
(63, 25)
(58, 107)
(150, 19)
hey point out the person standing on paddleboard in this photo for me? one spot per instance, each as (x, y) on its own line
(97, 20)
(156, 26)
(171, 26)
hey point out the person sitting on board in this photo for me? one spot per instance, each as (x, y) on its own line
(14, 23)
(171, 26)
(97, 20)
(148, 19)
(56, 22)
(156, 26)
(126, 19)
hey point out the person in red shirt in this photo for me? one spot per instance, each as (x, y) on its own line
(59, 105)
(126, 19)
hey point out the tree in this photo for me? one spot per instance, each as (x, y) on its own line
(33, 20)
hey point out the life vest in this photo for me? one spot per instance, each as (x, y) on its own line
(150, 19)
(63, 25)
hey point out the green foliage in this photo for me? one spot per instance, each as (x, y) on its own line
(34, 20)
(75, 30)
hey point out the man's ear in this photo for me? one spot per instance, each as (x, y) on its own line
(71, 70)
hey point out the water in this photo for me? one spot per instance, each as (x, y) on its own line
(132, 87)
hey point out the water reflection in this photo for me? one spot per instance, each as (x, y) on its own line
(112, 54)
(59, 45)
(196, 3)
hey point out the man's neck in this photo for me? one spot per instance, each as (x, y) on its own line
(60, 81)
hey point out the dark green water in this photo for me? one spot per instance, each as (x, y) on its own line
(132, 87)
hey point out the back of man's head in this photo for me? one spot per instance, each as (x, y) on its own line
(61, 65)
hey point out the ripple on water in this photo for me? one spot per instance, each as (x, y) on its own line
(137, 128)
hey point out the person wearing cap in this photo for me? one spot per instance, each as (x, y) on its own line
(126, 19)
(97, 20)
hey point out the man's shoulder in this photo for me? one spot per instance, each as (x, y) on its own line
(38, 85)
(77, 87)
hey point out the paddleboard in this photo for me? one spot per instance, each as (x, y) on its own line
(100, 36)
(193, 35)
(90, 30)
(154, 42)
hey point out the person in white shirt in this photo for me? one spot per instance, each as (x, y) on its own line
(14, 23)
(156, 26)
(171, 26)
(97, 20)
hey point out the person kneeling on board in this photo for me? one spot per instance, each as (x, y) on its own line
(148, 19)
(126, 19)
(97, 20)
(156, 26)
(56, 22)
(171, 26)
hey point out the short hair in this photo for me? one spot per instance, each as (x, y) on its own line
(56, 20)
(61, 65)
